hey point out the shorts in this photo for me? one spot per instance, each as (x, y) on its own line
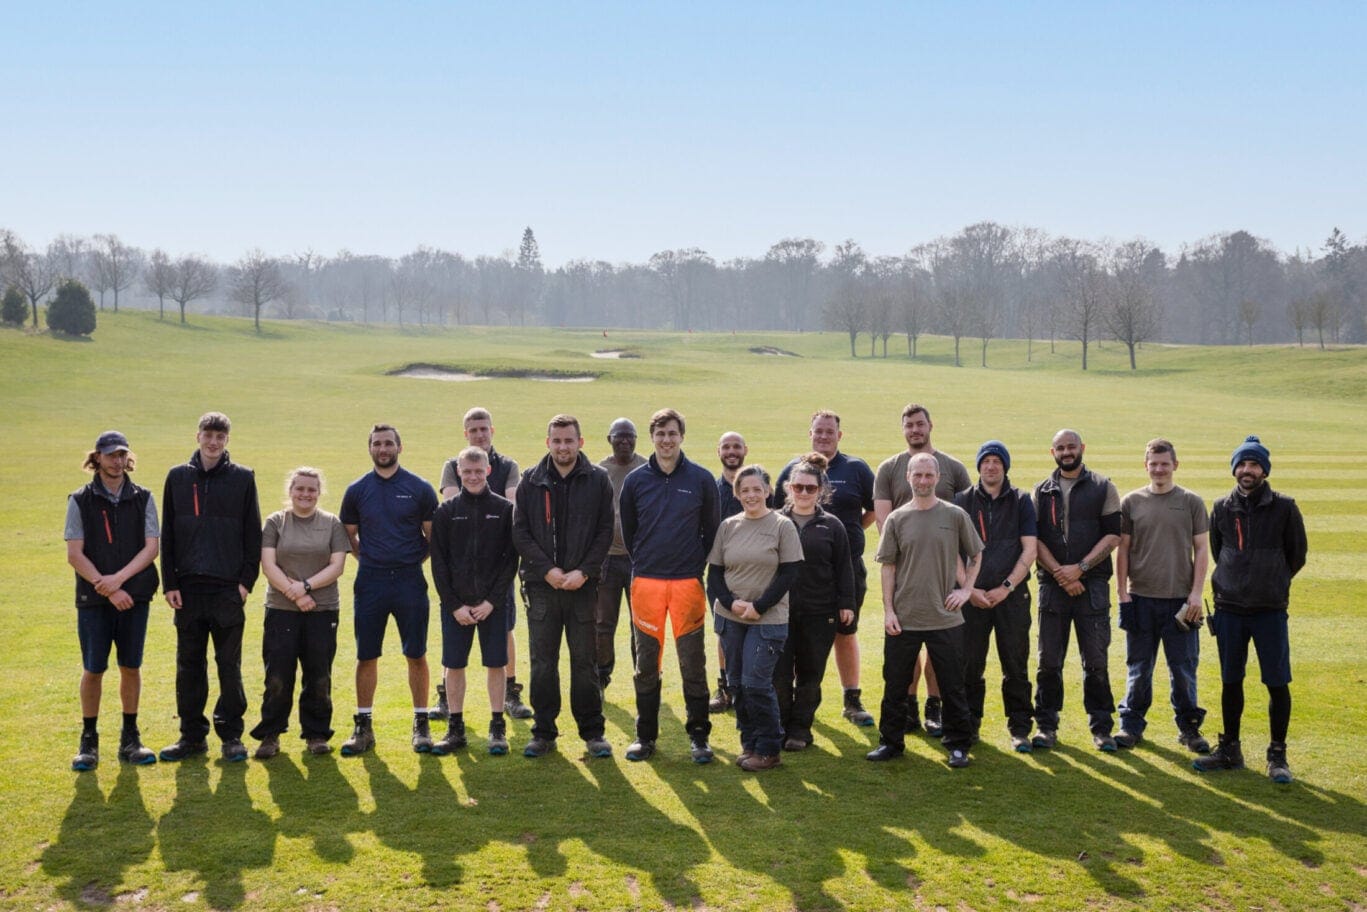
(1268, 632)
(457, 638)
(380, 593)
(101, 626)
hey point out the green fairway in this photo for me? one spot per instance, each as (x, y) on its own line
(1067, 829)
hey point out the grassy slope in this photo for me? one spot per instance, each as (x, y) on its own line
(1067, 830)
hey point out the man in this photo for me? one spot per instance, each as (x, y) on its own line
(387, 513)
(890, 491)
(473, 564)
(920, 551)
(669, 520)
(1258, 539)
(1160, 573)
(210, 557)
(1004, 517)
(852, 502)
(562, 527)
(616, 580)
(1078, 513)
(112, 536)
(732, 450)
(503, 476)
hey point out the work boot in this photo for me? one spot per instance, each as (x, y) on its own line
(854, 708)
(498, 737)
(721, 700)
(422, 735)
(234, 751)
(268, 748)
(934, 727)
(88, 754)
(441, 712)
(131, 749)
(512, 702)
(318, 746)
(362, 736)
(453, 740)
(913, 724)
(538, 747)
(699, 751)
(598, 747)
(1277, 770)
(1191, 739)
(1045, 739)
(1228, 755)
(183, 748)
(758, 763)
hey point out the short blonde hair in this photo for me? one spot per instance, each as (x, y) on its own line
(307, 472)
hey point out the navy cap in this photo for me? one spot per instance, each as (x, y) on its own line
(111, 442)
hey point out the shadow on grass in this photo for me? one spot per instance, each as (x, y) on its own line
(99, 840)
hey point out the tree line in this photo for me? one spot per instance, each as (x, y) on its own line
(986, 282)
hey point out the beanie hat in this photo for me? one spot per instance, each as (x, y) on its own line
(994, 448)
(1251, 448)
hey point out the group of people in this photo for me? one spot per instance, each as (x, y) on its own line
(778, 566)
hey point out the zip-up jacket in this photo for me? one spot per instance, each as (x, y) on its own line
(580, 527)
(473, 558)
(115, 531)
(210, 525)
(1000, 522)
(1259, 544)
(825, 581)
(1086, 524)
(669, 521)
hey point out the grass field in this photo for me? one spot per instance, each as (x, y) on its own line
(1069, 829)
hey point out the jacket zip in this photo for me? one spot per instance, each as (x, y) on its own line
(108, 532)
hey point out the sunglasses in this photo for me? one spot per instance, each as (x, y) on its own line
(803, 488)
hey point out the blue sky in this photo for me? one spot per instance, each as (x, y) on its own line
(617, 130)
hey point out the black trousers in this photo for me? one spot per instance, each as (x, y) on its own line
(614, 586)
(945, 648)
(308, 640)
(205, 614)
(553, 615)
(800, 669)
(1010, 622)
(1059, 614)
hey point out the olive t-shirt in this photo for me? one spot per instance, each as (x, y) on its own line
(1161, 527)
(618, 473)
(751, 550)
(891, 481)
(303, 546)
(925, 546)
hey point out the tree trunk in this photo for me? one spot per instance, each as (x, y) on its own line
(1084, 352)
(853, 334)
(984, 352)
(1131, 347)
(956, 352)
(182, 310)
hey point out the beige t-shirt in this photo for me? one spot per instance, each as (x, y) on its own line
(925, 546)
(302, 548)
(1161, 527)
(891, 481)
(751, 550)
(618, 474)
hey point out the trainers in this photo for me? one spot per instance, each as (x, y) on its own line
(1021, 744)
(1104, 743)
(453, 740)
(699, 750)
(182, 749)
(362, 736)
(268, 748)
(854, 708)
(640, 750)
(1277, 770)
(234, 751)
(442, 711)
(318, 746)
(498, 738)
(721, 699)
(913, 724)
(1045, 739)
(758, 763)
(88, 754)
(884, 752)
(131, 749)
(1191, 739)
(958, 759)
(1128, 739)
(1228, 755)
(538, 747)
(422, 735)
(512, 702)
(598, 747)
(934, 727)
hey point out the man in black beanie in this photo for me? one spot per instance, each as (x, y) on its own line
(1257, 538)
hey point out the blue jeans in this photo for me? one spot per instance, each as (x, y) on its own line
(752, 651)
(1147, 622)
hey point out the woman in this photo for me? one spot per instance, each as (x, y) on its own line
(821, 599)
(303, 551)
(754, 560)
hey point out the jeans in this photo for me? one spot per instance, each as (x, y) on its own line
(553, 614)
(798, 674)
(307, 639)
(752, 651)
(1148, 622)
(1090, 614)
(945, 648)
(210, 614)
(614, 585)
(1010, 622)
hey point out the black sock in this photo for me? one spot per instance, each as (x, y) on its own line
(1232, 708)
(1279, 711)
(510, 684)
(88, 724)
(420, 715)
(458, 718)
(130, 722)
(496, 717)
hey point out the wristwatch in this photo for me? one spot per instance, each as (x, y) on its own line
(308, 587)
(1007, 584)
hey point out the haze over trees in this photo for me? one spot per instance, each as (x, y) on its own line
(988, 281)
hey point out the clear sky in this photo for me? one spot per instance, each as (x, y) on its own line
(618, 130)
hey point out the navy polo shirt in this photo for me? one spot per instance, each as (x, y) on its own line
(389, 513)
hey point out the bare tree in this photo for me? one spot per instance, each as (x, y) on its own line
(1082, 285)
(951, 293)
(116, 263)
(1323, 313)
(684, 275)
(847, 309)
(194, 278)
(254, 281)
(1133, 314)
(32, 273)
(71, 253)
(159, 278)
(796, 262)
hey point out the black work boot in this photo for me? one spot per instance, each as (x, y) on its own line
(512, 702)
(362, 736)
(1277, 770)
(934, 727)
(441, 712)
(1228, 755)
(722, 699)
(422, 734)
(88, 754)
(453, 740)
(854, 708)
(131, 749)
(913, 716)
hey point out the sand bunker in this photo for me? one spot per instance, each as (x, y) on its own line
(433, 373)
(613, 353)
(770, 350)
(455, 375)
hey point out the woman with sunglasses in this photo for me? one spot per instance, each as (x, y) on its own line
(820, 601)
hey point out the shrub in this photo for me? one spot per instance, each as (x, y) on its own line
(14, 309)
(72, 311)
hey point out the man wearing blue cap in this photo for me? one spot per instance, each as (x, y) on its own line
(1257, 537)
(1004, 517)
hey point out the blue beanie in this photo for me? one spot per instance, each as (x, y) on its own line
(994, 448)
(1251, 448)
